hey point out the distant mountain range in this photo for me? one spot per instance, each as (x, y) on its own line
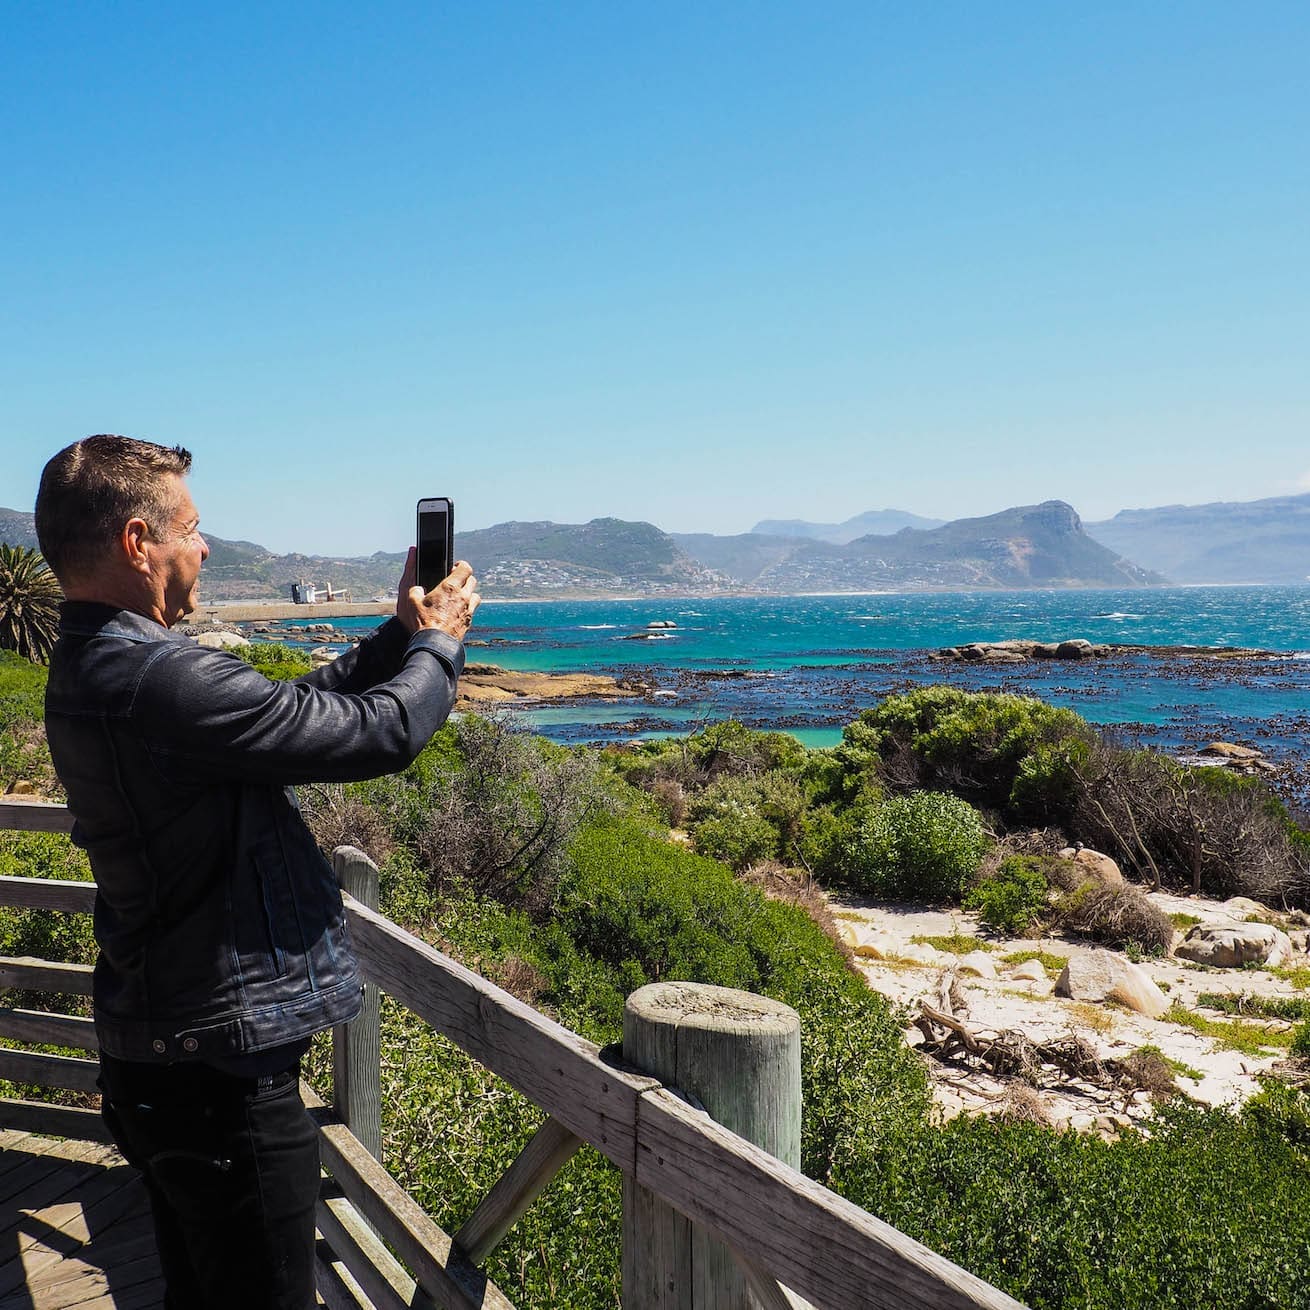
(879, 522)
(1229, 541)
(1032, 546)
(1043, 545)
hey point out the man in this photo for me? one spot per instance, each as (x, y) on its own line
(223, 944)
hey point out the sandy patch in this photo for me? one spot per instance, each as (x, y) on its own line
(1225, 1076)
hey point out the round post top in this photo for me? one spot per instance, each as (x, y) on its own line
(701, 1005)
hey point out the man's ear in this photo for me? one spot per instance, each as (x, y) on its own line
(132, 541)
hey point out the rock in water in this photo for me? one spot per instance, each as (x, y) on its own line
(1229, 751)
(1231, 945)
(1105, 976)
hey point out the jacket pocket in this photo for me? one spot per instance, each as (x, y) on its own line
(274, 908)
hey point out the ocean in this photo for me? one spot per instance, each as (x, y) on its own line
(808, 664)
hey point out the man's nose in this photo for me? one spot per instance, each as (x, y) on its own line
(204, 550)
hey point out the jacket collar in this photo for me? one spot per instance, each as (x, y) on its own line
(87, 618)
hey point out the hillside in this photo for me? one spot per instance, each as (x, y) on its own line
(1033, 546)
(1228, 541)
(603, 555)
(16, 528)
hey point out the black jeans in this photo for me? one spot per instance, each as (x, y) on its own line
(232, 1169)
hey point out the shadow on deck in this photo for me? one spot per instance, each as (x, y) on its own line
(74, 1228)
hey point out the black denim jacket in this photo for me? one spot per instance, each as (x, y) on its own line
(219, 922)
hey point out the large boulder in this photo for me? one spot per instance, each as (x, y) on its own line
(1243, 907)
(1076, 648)
(1030, 971)
(1098, 868)
(1104, 976)
(1227, 750)
(978, 963)
(1231, 945)
(221, 639)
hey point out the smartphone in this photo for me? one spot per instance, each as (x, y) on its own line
(436, 540)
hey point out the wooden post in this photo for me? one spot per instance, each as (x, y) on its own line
(739, 1056)
(357, 1046)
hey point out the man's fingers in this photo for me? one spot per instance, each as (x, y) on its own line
(462, 571)
(409, 577)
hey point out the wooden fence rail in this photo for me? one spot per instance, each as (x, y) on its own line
(793, 1237)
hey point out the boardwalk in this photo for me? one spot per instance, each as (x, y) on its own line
(74, 1228)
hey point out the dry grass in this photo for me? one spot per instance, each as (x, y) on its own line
(1020, 1104)
(1117, 916)
(339, 819)
(1093, 1017)
(1151, 1072)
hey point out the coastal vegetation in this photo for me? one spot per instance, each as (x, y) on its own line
(573, 876)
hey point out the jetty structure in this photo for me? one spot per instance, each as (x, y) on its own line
(699, 1107)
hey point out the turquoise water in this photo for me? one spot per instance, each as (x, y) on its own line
(809, 663)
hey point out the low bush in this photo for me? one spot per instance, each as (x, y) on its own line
(485, 806)
(1119, 917)
(1300, 1046)
(1014, 898)
(1203, 830)
(274, 660)
(24, 754)
(972, 743)
(45, 934)
(742, 820)
(922, 846)
(1165, 1220)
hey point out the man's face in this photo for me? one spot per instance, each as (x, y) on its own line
(177, 552)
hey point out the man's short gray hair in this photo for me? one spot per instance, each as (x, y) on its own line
(93, 487)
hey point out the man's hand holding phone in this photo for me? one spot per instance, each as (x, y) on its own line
(448, 607)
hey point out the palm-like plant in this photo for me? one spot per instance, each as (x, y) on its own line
(29, 604)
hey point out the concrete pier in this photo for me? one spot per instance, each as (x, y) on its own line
(279, 611)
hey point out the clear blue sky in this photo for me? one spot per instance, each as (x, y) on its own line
(693, 263)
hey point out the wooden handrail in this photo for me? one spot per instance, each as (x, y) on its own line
(780, 1224)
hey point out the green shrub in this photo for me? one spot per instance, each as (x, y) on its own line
(24, 753)
(1209, 1208)
(972, 743)
(487, 806)
(1301, 1040)
(1281, 1111)
(742, 820)
(45, 934)
(924, 846)
(274, 660)
(1012, 899)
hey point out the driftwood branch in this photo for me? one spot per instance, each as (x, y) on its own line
(1010, 1053)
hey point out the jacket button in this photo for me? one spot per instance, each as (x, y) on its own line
(159, 1046)
(190, 1044)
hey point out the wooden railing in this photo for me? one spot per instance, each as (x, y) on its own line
(790, 1237)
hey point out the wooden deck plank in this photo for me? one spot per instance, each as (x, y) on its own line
(70, 1226)
(75, 1229)
(94, 1286)
(33, 1180)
